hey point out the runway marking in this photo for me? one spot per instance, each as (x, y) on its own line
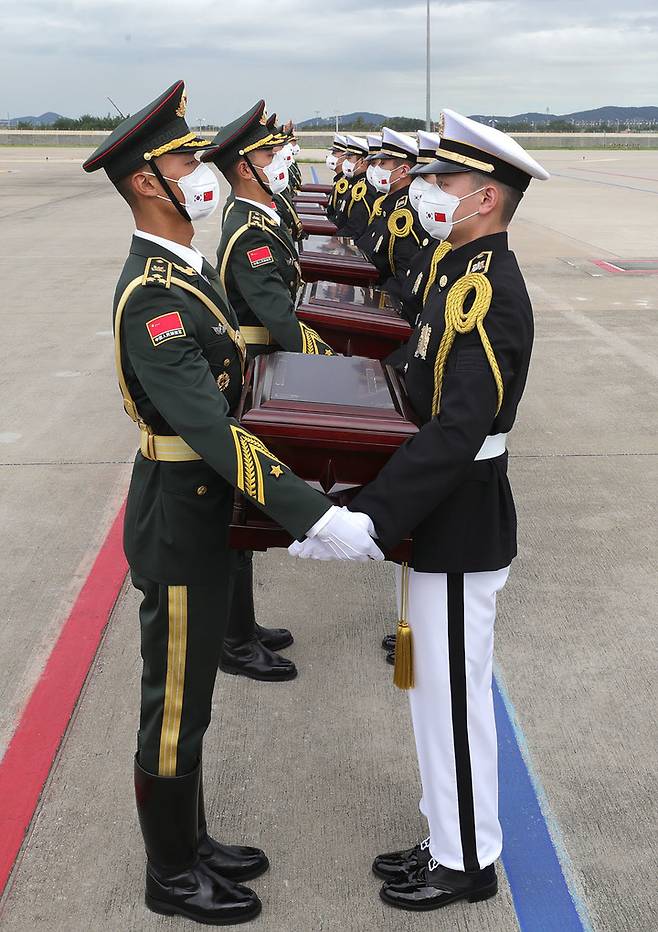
(33, 747)
(538, 867)
(68, 374)
(314, 175)
(103, 333)
(610, 184)
(9, 436)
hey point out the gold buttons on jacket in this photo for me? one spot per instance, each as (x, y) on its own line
(202, 490)
(227, 362)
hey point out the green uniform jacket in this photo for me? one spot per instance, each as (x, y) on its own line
(259, 268)
(173, 354)
(286, 210)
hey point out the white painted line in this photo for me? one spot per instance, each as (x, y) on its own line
(104, 333)
(9, 436)
(67, 374)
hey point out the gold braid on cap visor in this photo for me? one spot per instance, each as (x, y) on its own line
(272, 140)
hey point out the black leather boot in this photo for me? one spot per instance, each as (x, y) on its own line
(388, 643)
(243, 654)
(399, 864)
(237, 862)
(434, 886)
(177, 880)
(274, 638)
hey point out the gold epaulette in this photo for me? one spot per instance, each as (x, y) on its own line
(400, 225)
(260, 221)
(157, 271)
(377, 207)
(460, 321)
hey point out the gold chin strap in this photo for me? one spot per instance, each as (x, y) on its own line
(459, 321)
(440, 253)
(403, 671)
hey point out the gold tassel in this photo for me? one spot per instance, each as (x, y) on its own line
(403, 671)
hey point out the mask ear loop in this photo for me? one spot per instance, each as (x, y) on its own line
(267, 190)
(170, 194)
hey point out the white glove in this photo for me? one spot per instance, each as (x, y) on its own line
(339, 535)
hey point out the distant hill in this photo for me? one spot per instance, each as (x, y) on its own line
(600, 115)
(347, 119)
(607, 115)
(46, 119)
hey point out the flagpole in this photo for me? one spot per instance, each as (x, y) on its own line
(428, 108)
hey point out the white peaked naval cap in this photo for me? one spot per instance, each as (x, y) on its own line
(428, 143)
(357, 143)
(398, 145)
(340, 142)
(477, 146)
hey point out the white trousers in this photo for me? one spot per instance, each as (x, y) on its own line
(452, 617)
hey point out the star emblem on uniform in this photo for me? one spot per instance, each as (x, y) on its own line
(328, 352)
(276, 471)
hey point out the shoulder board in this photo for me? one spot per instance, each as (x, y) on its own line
(401, 202)
(479, 263)
(157, 271)
(260, 221)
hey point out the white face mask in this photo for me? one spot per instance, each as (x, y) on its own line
(296, 149)
(200, 189)
(277, 174)
(287, 154)
(348, 168)
(331, 162)
(417, 188)
(437, 208)
(369, 174)
(381, 178)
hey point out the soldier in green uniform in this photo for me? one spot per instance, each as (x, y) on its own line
(395, 235)
(180, 357)
(258, 266)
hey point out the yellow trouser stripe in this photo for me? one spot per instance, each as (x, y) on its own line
(173, 700)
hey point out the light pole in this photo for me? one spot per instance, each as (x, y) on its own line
(428, 102)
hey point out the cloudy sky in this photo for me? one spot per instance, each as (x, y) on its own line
(304, 56)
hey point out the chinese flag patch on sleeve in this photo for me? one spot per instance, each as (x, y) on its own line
(166, 327)
(260, 256)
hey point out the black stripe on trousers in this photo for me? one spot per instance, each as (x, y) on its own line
(457, 661)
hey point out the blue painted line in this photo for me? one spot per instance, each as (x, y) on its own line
(536, 862)
(314, 175)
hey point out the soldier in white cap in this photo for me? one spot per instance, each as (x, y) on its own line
(357, 204)
(447, 489)
(394, 235)
(334, 161)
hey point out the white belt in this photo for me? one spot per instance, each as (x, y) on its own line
(493, 446)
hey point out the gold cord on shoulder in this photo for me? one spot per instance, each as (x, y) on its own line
(440, 253)
(458, 321)
(400, 225)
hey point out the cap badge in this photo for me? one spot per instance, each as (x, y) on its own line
(182, 106)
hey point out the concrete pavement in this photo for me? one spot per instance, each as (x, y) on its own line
(321, 772)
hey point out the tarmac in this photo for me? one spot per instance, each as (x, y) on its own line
(321, 772)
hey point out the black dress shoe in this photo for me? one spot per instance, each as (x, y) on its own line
(274, 638)
(390, 658)
(388, 643)
(399, 864)
(255, 661)
(434, 886)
